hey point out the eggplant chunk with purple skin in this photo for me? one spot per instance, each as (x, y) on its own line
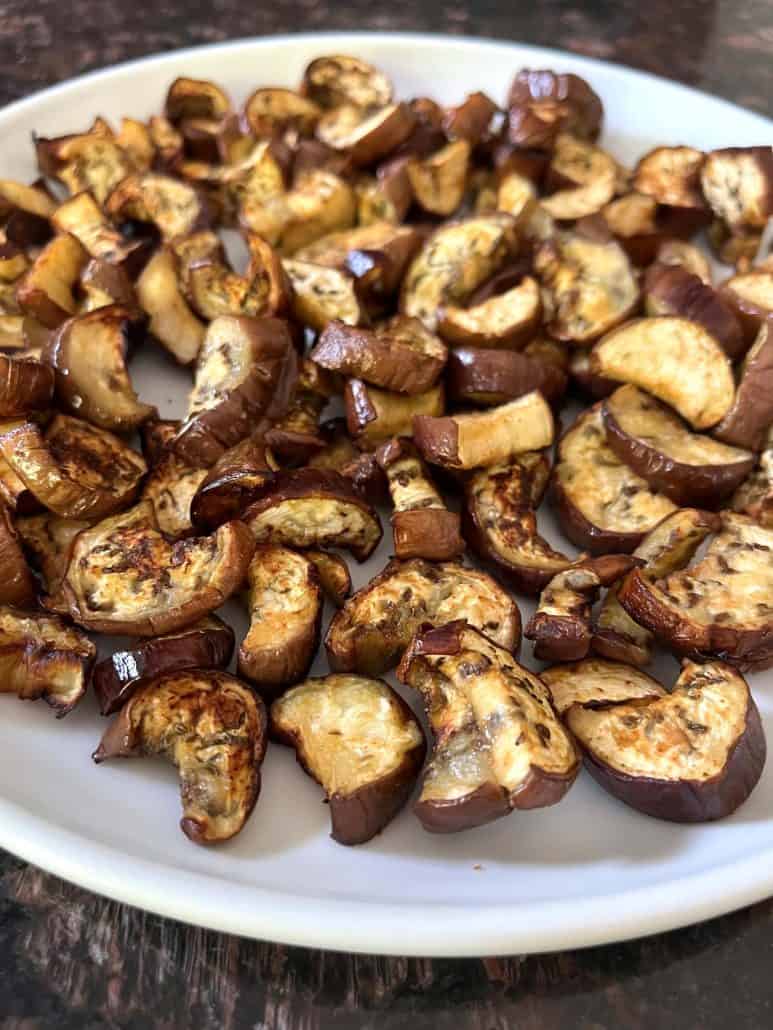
(264, 290)
(25, 212)
(422, 526)
(500, 524)
(171, 486)
(41, 656)
(322, 295)
(173, 206)
(440, 180)
(124, 576)
(669, 546)
(671, 175)
(689, 468)
(586, 176)
(285, 604)
(738, 184)
(360, 741)
(499, 745)
(365, 136)
(213, 729)
(561, 625)
(25, 386)
(337, 79)
(487, 377)
(314, 508)
(84, 219)
(233, 482)
(374, 416)
(692, 754)
(542, 103)
(720, 607)
(751, 297)
(334, 576)
(171, 320)
(507, 320)
(296, 436)
(46, 539)
(45, 291)
(73, 468)
(376, 624)
(207, 644)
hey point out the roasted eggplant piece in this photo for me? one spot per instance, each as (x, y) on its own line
(296, 436)
(488, 437)
(18, 585)
(422, 526)
(439, 181)
(207, 644)
(585, 177)
(361, 469)
(685, 255)
(596, 681)
(500, 525)
(721, 607)
(360, 741)
(374, 416)
(542, 103)
(376, 624)
(314, 508)
(25, 212)
(602, 505)
(233, 482)
(689, 468)
(334, 576)
(589, 382)
(386, 197)
(672, 176)
(561, 625)
(91, 161)
(589, 286)
(195, 98)
(338, 79)
(264, 289)
(690, 755)
(751, 297)
(83, 218)
(486, 377)
(41, 656)
(273, 113)
(171, 320)
(46, 291)
(25, 386)
(172, 206)
(669, 546)
(676, 361)
(73, 469)
(634, 221)
(125, 576)
(103, 284)
(246, 368)
(499, 745)
(400, 355)
(171, 486)
(88, 355)
(738, 184)
(213, 728)
(366, 137)
(455, 260)
(507, 320)
(322, 295)
(754, 497)
(46, 539)
(285, 605)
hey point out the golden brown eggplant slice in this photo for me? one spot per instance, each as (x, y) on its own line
(672, 176)
(439, 181)
(264, 289)
(598, 681)
(754, 497)
(507, 320)
(586, 177)
(334, 576)
(45, 292)
(84, 219)
(213, 728)
(233, 482)
(172, 206)
(170, 487)
(366, 136)
(171, 321)
(738, 184)
(195, 98)
(751, 297)
(338, 79)
(273, 112)
(25, 212)
(321, 295)
(374, 416)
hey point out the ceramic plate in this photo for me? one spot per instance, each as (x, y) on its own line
(587, 871)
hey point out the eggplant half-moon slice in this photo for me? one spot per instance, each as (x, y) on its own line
(374, 416)
(171, 320)
(234, 481)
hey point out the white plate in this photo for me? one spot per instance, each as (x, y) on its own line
(588, 871)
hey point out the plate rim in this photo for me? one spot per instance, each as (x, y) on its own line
(348, 924)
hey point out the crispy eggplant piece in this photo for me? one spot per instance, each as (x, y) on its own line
(207, 644)
(376, 254)
(488, 377)
(338, 79)
(46, 540)
(88, 355)
(376, 624)
(373, 416)
(25, 212)
(751, 297)
(18, 585)
(168, 144)
(689, 755)
(214, 289)
(671, 290)
(507, 320)
(385, 197)
(171, 486)
(670, 546)
(157, 437)
(455, 260)
(500, 525)
(195, 98)
(737, 182)
(273, 112)
(602, 505)
(213, 728)
(296, 436)
(561, 625)
(583, 177)
(103, 284)
(366, 136)
(285, 605)
(233, 482)
(721, 607)
(400, 355)
(689, 468)
(600, 683)
(321, 295)
(171, 320)
(92, 161)
(246, 368)
(422, 525)
(472, 119)
(334, 576)
(83, 218)
(360, 741)
(754, 497)
(125, 576)
(439, 181)
(499, 745)
(542, 103)
(25, 386)
(204, 245)
(517, 196)
(672, 175)
(46, 291)
(314, 508)
(673, 359)
(135, 140)
(633, 220)
(685, 255)
(172, 206)
(41, 656)
(748, 420)
(361, 469)
(589, 286)
(74, 469)
(487, 437)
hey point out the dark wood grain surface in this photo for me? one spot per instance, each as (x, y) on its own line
(71, 960)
